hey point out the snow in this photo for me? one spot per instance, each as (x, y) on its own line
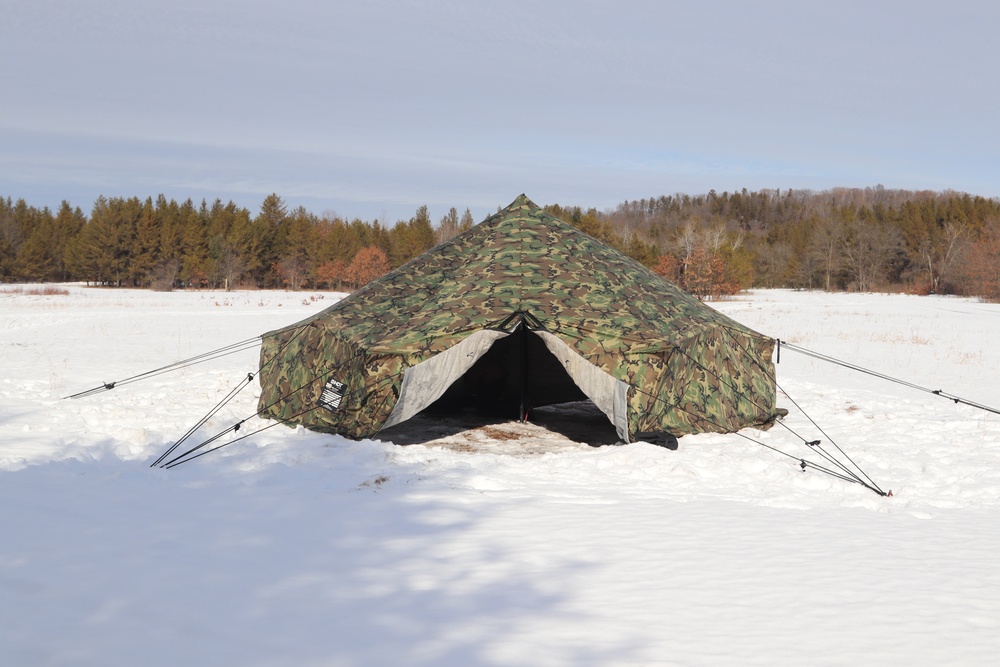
(492, 543)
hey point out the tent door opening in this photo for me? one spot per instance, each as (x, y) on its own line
(506, 374)
(518, 373)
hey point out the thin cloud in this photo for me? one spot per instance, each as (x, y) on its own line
(369, 107)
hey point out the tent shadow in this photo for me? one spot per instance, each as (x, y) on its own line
(285, 566)
(576, 422)
(580, 421)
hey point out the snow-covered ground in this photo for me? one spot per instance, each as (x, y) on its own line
(499, 545)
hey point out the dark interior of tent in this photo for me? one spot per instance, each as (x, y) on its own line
(517, 374)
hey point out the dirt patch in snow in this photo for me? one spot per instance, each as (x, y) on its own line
(549, 429)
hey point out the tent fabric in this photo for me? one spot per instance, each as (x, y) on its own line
(608, 393)
(659, 359)
(426, 382)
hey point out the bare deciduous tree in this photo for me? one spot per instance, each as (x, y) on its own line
(825, 248)
(867, 251)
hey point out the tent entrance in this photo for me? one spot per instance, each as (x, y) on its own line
(506, 374)
(518, 373)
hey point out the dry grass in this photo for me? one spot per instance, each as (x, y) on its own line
(971, 358)
(313, 298)
(912, 339)
(45, 290)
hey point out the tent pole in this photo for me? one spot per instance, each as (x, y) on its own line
(523, 409)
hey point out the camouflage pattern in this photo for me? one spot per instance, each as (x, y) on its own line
(690, 368)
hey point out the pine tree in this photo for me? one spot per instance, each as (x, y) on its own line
(145, 245)
(467, 221)
(101, 252)
(226, 224)
(412, 238)
(259, 245)
(194, 241)
(34, 261)
(68, 223)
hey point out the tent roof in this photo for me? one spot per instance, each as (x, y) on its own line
(521, 259)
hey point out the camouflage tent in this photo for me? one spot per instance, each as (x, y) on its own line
(521, 310)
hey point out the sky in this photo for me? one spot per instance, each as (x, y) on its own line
(372, 109)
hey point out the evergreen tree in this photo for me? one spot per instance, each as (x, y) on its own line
(145, 245)
(102, 251)
(171, 222)
(226, 225)
(259, 244)
(412, 238)
(34, 261)
(467, 221)
(68, 223)
(194, 242)
(8, 249)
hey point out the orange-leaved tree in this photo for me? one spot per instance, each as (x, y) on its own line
(370, 263)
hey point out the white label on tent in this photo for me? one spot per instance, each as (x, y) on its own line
(332, 394)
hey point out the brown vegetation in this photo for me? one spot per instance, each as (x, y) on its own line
(44, 290)
(870, 239)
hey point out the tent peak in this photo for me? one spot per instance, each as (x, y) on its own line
(521, 201)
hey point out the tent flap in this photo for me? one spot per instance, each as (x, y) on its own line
(608, 393)
(427, 381)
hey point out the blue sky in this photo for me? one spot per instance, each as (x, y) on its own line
(371, 109)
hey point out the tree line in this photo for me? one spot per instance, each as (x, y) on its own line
(164, 244)
(865, 239)
(845, 239)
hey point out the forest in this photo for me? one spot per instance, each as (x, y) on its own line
(854, 239)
